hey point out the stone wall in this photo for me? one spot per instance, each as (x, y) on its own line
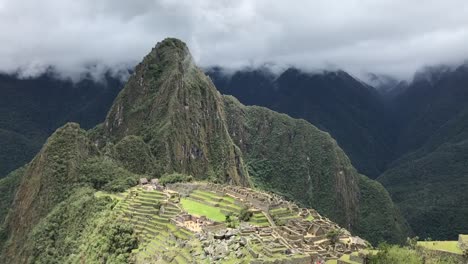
(292, 260)
(443, 253)
(463, 242)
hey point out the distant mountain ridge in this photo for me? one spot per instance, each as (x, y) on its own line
(32, 108)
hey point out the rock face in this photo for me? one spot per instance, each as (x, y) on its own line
(178, 112)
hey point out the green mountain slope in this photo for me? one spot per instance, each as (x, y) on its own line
(297, 160)
(54, 203)
(334, 101)
(8, 187)
(430, 184)
(170, 118)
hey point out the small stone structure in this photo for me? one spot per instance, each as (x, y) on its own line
(143, 181)
(192, 223)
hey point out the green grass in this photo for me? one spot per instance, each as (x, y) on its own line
(449, 246)
(199, 209)
(345, 258)
(229, 199)
(207, 195)
(309, 218)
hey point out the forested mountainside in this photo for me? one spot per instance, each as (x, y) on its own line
(429, 182)
(169, 118)
(32, 108)
(351, 111)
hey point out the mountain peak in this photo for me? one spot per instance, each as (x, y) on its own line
(169, 51)
(175, 109)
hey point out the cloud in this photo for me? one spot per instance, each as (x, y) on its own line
(394, 37)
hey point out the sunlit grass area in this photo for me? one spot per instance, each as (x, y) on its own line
(449, 246)
(199, 209)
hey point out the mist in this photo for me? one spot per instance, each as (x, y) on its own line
(392, 37)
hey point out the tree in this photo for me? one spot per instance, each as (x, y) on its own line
(334, 235)
(157, 205)
(230, 220)
(412, 242)
(245, 214)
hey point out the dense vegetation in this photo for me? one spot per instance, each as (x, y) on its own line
(8, 187)
(104, 174)
(391, 254)
(175, 177)
(81, 229)
(429, 183)
(55, 205)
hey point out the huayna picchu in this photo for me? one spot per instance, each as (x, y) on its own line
(252, 172)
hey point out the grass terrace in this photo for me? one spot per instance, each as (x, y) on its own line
(156, 233)
(448, 246)
(344, 259)
(227, 204)
(200, 209)
(309, 218)
(259, 219)
(283, 214)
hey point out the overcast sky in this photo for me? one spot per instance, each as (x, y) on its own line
(383, 36)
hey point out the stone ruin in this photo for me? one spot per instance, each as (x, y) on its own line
(192, 223)
(304, 235)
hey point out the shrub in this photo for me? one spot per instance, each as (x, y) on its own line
(245, 214)
(230, 220)
(175, 177)
(334, 235)
(104, 174)
(390, 254)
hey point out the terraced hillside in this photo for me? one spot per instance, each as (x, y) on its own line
(188, 223)
(157, 234)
